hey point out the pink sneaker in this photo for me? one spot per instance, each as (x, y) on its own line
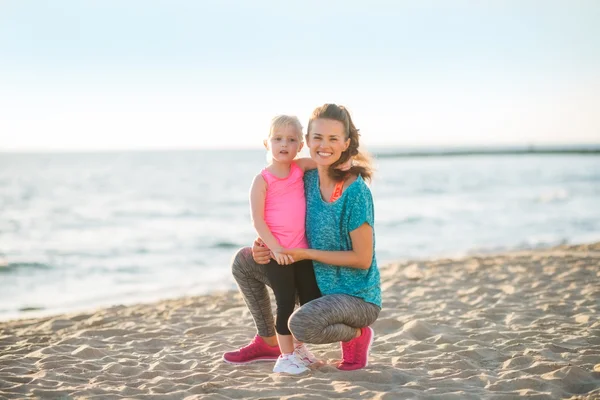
(355, 353)
(257, 350)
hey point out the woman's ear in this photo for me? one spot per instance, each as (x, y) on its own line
(347, 144)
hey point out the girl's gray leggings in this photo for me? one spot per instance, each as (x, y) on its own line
(328, 319)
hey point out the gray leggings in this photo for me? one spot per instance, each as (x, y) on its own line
(328, 319)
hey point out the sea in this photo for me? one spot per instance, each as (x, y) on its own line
(80, 231)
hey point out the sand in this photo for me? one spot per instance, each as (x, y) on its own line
(504, 326)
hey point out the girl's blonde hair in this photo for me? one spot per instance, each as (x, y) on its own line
(281, 121)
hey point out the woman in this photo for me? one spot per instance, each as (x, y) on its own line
(339, 228)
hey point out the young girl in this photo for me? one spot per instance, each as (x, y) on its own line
(278, 208)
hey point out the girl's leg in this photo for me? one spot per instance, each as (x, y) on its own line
(284, 287)
(306, 283)
(306, 286)
(252, 281)
(332, 318)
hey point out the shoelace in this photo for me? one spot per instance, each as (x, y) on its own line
(300, 351)
(249, 349)
(303, 352)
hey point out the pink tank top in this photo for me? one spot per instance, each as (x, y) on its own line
(285, 207)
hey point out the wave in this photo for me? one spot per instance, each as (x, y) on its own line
(226, 245)
(30, 308)
(12, 267)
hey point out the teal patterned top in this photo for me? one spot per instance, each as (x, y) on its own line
(328, 227)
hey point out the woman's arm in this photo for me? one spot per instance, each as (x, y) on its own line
(258, 194)
(359, 257)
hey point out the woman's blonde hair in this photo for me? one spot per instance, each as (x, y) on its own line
(361, 161)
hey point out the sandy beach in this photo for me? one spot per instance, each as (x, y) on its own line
(506, 326)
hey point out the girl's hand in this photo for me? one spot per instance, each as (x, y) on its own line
(296, 254)
(345, 166)
(282, 259)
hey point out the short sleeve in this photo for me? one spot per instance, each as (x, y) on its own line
(361, 209)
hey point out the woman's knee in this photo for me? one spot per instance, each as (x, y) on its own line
(239, 262)
(302, 326)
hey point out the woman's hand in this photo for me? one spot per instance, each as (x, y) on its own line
(296, 254)
(260, 253)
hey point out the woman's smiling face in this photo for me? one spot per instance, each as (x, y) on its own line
(326, 141)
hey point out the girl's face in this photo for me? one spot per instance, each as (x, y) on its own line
(284, 143)
(327, 141)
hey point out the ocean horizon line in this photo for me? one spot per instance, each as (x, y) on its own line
(380, 151)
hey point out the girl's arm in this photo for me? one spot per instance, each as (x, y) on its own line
(258, 194)
(359, 257)
(306, 163)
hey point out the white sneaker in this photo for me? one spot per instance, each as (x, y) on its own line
(289, 364)
(304, 354)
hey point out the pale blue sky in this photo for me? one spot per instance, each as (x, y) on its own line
(190, 74)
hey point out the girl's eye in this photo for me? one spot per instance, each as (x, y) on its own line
(292, 140)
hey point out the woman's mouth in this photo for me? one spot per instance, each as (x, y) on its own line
(324, 153)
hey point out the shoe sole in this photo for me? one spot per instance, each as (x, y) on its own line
(290, 373)
(256, 360)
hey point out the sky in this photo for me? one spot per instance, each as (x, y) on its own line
(114, 75)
